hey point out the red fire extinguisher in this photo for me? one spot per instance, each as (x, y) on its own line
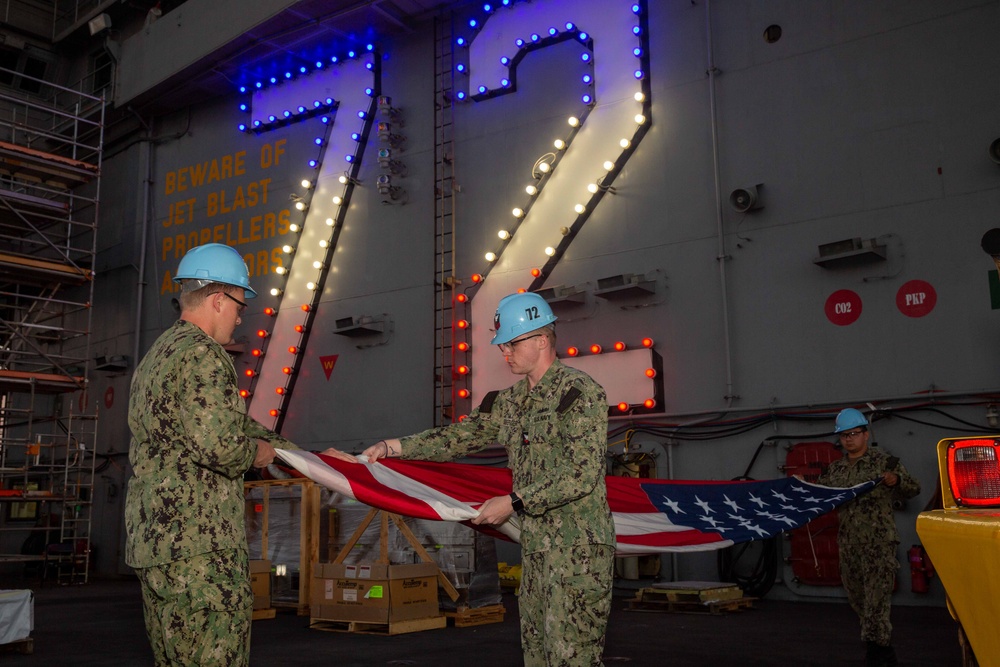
(921, 569)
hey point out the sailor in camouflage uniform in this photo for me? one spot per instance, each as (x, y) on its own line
(868, 537)
(553, 424)
(191, 443)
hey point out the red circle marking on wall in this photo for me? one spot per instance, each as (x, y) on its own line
(843, 307)
(109, 397)
(916, 298)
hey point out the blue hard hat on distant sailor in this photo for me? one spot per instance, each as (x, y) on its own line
(849, 418)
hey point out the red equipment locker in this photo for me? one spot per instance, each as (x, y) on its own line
(814, 558)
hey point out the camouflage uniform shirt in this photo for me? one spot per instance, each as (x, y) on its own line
(557, 457)
(869, 518)
(191, 443)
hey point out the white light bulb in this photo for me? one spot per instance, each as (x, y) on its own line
(518, 213)
(287, 249)
(275, 291)
(324, 243)
(559, 144)
(640, 119)
(609, 165)
(592, 188)
(337, 200)
(280, 270)
(624, 143)
(531, 190)
(317, 264)
(491, 257)
(503, 234)
(329, 222)
(640, 96)
(306, 183)
(544, 167)
(343, 179)
(311, 286)
(573, 121)
(550, 251)
(293, 227)
(579, 208)
(300, 205)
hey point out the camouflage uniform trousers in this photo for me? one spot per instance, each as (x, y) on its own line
(198, 611)
(868, 572)
(564, 605)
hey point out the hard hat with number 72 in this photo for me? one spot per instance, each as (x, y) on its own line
(518, 314)
(215, 263)
(849, 418)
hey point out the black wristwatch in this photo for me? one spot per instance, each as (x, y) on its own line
(517, 503)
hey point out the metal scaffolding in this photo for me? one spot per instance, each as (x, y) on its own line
(50, 162)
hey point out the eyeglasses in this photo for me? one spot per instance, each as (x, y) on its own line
(242, 306)
(847, 435)
(509, 347)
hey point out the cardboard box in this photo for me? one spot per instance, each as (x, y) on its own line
(374, 593)
(260, 582)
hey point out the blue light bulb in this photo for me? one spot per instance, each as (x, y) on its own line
(460, 41)
(313, 163)
(242, 127)
(243, 89)
(370, 47)
(585, 57)
(483, 89)
(504, 82)
(553, 31)
(271, 118)
(286, 113)
(505, 61)
(534, 37)
(637, 52)
(355, 136)
(318, 141)
(361, 114)
(460, 67)
(369, 91)
(587, 99)
(243, 107)
(636, 30)
(587, 78)
(473, 23)
(349, 158)
(519, 42)
(637, 74)
(583, 36)
(461, 95)
(569, 26)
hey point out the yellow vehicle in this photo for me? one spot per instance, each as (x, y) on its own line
(963, 542)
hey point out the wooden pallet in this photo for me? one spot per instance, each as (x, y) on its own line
(25, 646)
(262, 614)
(671, 606)
(464, 618)
(391, 628)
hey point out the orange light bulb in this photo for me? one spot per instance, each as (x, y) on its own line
(572, 351)
(649, 403)
(623, 407)
(595, 349)
(477, 277)
(620, 346)
(462, 298)
(273, 412)
(463, 393)
(651, 372)
(249, 372)
(293, 350)
(647, 342)
(463, 347)
(257, 353)
(463, 370)
(279, 391)
(261, 333)
(462, 324)
(535, 273)
(306, 308)
(270, 312)
(287, 370)
(299, 328)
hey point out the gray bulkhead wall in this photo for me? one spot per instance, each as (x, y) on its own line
(846, 121)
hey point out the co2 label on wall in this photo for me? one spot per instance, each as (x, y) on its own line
(916, 298)
(843, 307)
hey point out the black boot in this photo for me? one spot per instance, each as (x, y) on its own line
(877, 655)
(872, 654)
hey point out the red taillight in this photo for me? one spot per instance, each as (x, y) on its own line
(974, 472)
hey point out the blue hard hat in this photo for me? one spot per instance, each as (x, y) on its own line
(849, 418)
(215, 263)
(518, 314)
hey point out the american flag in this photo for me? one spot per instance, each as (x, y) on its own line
(651, 516)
